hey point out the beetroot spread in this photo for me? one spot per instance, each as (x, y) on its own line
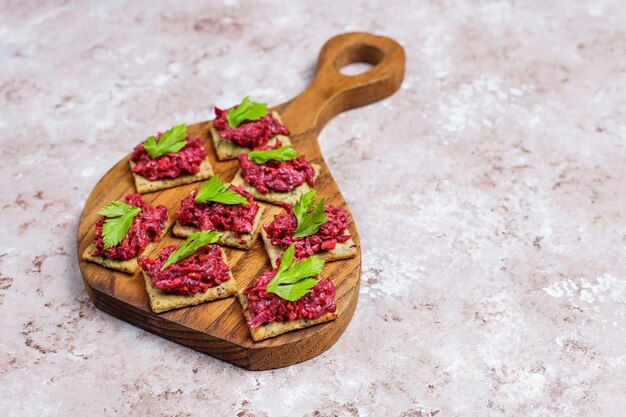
(250, 134)
(281, 231)
(198, 272)
(170, 165)
(280, 176)
(238, 218)
(146, 227)
(267, 307)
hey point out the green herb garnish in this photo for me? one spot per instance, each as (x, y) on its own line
(171, 141)
(294, 280)
(119, 218)
(192, 244)
(309, 223)
(285, 153)
(217, 191)
(246, 110)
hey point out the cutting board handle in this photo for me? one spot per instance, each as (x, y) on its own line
(332, 92)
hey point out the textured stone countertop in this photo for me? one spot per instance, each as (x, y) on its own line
(489, 193)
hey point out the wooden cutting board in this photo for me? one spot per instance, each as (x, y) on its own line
(218, 328)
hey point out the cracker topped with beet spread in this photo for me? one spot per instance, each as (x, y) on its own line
(276, 174)
(289, 297)
(320, 230)
(245, 127)
(126, 230)
(169, 159)
(220, 207)
(191, 274)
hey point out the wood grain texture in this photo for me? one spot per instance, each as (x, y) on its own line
(218, 327)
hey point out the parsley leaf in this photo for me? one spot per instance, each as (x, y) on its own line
(119, 219)
(217, 191)
(171, 141)
(115, 209)
(295, 292)
(246, 110)
(309, 223)
(285, 153)
(294, 280)
(192, 244)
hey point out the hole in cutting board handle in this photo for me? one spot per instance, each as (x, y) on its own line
(356, 68)
(358, 59)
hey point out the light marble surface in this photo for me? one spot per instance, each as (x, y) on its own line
(489, 193)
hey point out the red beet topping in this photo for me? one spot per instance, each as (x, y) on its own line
(268, 307)
(251, 134)
(196, 273)
(170, 165)
(282, 229)
(280, 176)
(238, 218)
(146, 227)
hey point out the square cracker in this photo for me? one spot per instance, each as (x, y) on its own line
(276, 197)
(226, 149)
(228, 237)
(276, 328)
(343, 250)
(144, 185)
(161, 301)
(130, 266)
